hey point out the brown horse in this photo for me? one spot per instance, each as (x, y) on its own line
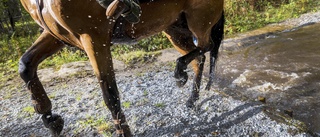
(82, 23)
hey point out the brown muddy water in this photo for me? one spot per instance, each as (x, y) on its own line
(282, 67)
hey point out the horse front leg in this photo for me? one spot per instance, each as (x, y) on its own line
(101, 61)
(44, 46)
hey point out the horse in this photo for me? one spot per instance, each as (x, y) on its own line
(194, 27)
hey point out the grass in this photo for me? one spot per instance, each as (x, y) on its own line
(101, 125)
(126, 104)
(159, 105)
(29, 109)
(64, 56)
(247, 15)
(138, 57)
(145, 93)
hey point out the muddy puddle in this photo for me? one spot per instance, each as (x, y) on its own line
(282, 67)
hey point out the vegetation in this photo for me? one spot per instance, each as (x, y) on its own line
(29, 110)
(126, 104)
(241, 16)
(100, 124)
(159, 105)
(244, 15)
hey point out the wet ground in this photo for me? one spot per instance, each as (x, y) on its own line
(282, 67)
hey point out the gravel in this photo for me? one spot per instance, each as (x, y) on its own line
(155, 107)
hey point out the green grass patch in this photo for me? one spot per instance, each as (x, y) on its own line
(153, 43)
(29, 109)
(247, 15)
(101, 125)
(64, 56)
(126, 104)
(145, 93)
(138, 57)
(160, 105)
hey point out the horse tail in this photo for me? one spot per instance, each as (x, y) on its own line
(216, 38)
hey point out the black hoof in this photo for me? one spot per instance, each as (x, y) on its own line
(54, 123)
(191, 101)
(181, 79)
(190, 104)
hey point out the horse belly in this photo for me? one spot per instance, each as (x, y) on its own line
(156, 16)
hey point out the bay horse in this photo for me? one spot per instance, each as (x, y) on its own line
(83, 23)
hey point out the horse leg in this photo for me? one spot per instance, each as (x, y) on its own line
(216, 37)
(101, 61)
(182, 40)
(190, 20)
(198, 59)
(44, 46)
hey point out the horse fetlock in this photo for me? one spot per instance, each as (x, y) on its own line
(41, 109)
(122, 129)
(181, 66)
(180, 75)
(123, 132)
(54, 123)
(181, 79)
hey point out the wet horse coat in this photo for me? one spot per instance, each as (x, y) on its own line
(83, 24)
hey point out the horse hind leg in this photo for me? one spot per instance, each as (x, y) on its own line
(45, 46)
(216, 37)
(205, 43)
(182, 39)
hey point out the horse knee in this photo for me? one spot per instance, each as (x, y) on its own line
(25, 69)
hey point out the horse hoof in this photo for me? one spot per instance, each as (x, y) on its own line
(190, 103)
(192, 100)
(182, 79)
(54, 123)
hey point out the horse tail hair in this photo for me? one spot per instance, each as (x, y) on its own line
(216, 39)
